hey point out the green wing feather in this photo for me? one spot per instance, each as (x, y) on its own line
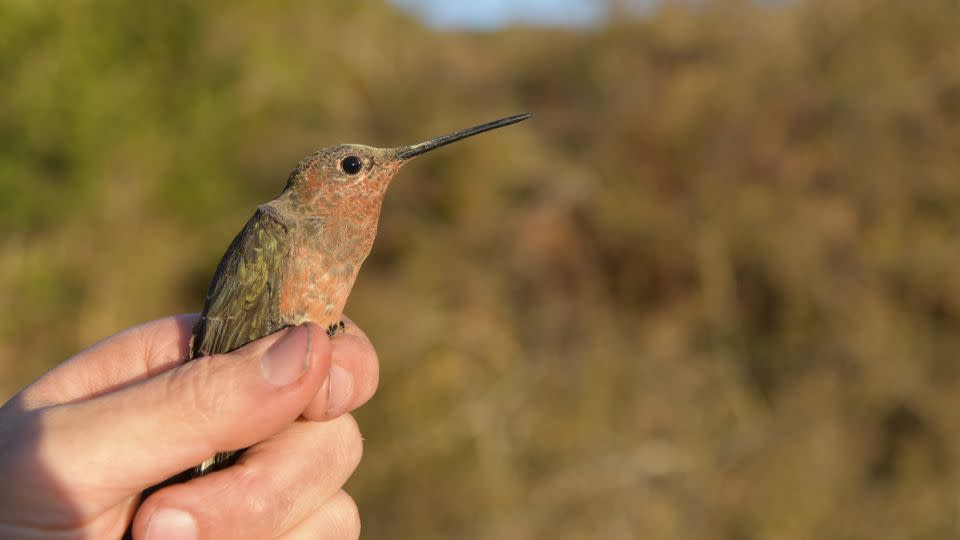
(243, 303)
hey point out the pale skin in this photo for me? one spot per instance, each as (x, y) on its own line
(79, 445)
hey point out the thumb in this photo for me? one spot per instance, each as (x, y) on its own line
(143, 434)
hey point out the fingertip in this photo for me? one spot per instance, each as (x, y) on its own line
(355, 353)
(166, 342)
(354, 377)
(166, 512)
(341, 391)
(171, 524)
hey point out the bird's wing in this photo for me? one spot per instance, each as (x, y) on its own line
(243, 303)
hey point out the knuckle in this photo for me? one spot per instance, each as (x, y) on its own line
(198, 386)
(262, 508)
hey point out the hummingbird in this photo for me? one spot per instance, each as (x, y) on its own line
(297, 258)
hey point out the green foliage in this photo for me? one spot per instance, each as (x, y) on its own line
(710, 291)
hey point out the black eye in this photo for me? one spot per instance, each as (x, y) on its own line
(351, 165)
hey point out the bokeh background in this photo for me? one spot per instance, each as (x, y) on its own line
(711, 291)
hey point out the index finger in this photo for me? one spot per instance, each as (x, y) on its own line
(354, 375)
(119, 360)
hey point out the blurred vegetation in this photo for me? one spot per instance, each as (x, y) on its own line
(710, 291)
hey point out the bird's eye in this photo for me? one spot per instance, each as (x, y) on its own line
(351, 165)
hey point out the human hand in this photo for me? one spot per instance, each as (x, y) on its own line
(79, 445)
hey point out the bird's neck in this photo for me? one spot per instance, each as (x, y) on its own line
(343, 229)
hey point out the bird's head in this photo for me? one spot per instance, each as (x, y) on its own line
(345, 173)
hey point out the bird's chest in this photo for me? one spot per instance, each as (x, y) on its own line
(316, 284)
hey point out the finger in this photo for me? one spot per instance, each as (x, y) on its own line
(142, 434)
(273, 487)
(354, 375)
(337, 519)
(132, 355)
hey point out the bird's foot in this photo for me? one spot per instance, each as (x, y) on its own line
(335, 329)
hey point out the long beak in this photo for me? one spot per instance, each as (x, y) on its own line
(407, 152)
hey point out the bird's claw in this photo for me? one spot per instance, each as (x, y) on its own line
(334, 329)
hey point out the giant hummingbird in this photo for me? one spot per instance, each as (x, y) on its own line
(297, 258)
